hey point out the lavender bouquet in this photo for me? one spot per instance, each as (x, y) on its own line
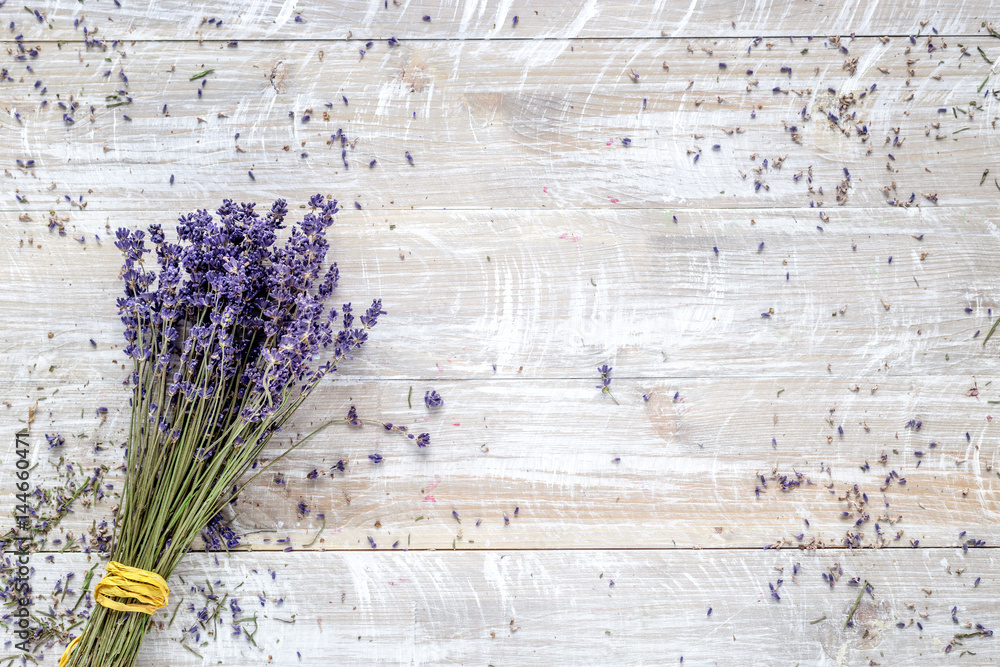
(228, 336)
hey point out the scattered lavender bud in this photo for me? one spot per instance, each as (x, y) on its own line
(432, 399)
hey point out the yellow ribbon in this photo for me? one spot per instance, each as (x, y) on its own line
(122, 581)
(64, 660)
(149, 590)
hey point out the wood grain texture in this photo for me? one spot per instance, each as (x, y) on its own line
(519, 125)
(554, 294)
(543, 454)
(608, 607)
(493, 19)
(526, 245)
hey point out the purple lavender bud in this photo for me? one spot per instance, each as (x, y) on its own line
(432, 399)
(352, 417)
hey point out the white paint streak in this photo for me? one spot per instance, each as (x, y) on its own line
(361, 581)
(371, 11)
(468, 12)
(587, 12)
(500, 22)
(285, 13)
(685, 19)
(493, 576)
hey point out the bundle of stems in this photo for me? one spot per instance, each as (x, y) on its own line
(229, 334)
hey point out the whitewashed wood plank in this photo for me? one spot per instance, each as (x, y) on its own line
(555, 294)
(493, 20)
(512, 125)
(544, 454)
(557, 607)
(633, 287)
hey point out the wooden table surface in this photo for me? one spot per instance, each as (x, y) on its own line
(775, 219)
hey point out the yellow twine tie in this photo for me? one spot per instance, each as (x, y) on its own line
(122, 581)
(64, 660)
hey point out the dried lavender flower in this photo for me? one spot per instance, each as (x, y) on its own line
(432, 399)
(229, 332)
(605, 385)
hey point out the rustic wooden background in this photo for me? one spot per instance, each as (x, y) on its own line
(526, 245)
